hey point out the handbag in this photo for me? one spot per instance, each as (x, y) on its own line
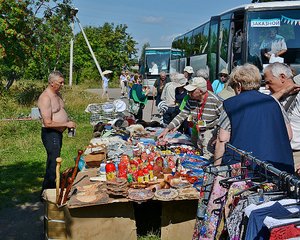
(133, 106)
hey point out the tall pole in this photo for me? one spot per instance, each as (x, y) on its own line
(90, 48)
(71, 54)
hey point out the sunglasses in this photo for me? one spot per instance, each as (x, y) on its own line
(223, 75)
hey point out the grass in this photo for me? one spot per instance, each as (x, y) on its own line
(22, 154)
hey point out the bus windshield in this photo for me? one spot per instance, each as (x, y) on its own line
(157, 60)
(274, 35)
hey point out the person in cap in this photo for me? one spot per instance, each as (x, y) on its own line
(105, 81)
(253, 122)
(218, 84)
(188, 71)
(169, 96)
(202, 110)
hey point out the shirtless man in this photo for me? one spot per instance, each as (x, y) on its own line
(54, 122)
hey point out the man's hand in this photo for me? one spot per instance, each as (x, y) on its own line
(290, 89)
(70, 124)
(163, 133)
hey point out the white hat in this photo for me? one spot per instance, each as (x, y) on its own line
(120, 105)
(188, 69)
(223, 71)
(179, 80)
(197, 82)
(106, 72)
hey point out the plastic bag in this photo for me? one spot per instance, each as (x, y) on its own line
(133, 106)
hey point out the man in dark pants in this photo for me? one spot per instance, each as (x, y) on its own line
(54, 122)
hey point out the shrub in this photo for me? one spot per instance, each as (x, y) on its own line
(28, 93)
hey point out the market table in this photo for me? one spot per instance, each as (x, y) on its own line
(115, 219)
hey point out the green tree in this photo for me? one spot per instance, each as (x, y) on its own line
(15, 36)
(52, 50)
(24, 27)
(112, 45)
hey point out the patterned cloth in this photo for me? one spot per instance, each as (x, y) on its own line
(285, 232)
(211, 218)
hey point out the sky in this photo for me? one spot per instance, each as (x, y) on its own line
(154, 21)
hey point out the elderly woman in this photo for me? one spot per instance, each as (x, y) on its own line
(254, 122)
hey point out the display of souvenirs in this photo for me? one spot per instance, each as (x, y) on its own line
(144, 167)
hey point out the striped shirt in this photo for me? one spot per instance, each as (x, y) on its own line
(211, 112)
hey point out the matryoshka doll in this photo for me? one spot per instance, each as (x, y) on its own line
(110, 170)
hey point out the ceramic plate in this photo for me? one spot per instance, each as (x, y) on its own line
(140, 195)
(166, 194)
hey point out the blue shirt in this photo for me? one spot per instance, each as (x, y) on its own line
(217, 86)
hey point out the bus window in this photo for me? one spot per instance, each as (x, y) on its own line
(200, 39)
(213, 47)
(157, 60)
(187, 43)
(197, 39)
(224, 40)
(286, 34)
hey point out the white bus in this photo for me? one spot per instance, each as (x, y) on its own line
(156, 60)
(241, 35)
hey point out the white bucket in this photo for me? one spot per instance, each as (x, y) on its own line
(35, 113)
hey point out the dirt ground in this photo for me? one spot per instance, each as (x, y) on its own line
(23, 222)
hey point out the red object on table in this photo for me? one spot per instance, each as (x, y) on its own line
(110, 167)
(122, 170)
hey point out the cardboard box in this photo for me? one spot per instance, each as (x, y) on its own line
(54, 218)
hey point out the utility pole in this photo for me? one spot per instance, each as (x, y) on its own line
(74, 11)
(90, 48)
(71, 54)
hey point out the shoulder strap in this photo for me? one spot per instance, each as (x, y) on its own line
(184, 101)
(289, 102)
